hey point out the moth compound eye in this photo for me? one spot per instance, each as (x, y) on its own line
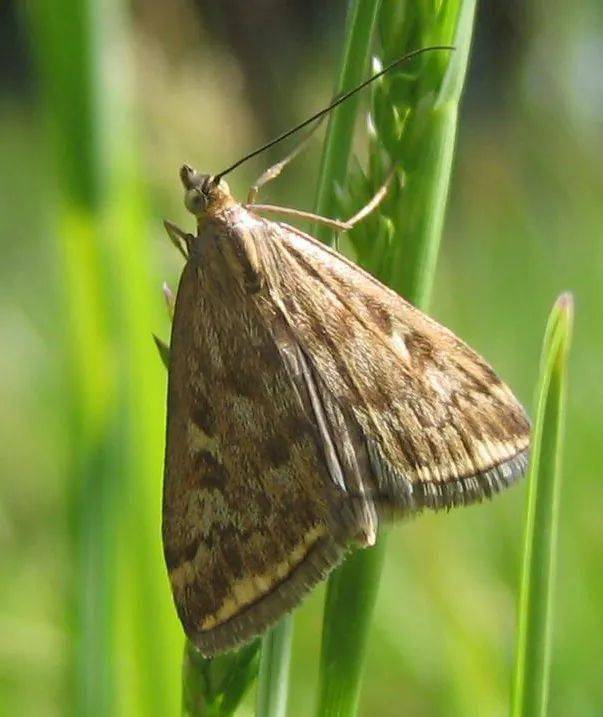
(195, 201)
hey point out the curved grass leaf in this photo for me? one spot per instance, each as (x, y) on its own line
(534, 645)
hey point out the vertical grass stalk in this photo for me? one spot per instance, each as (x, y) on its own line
(534, 645)
(273, 682)
(413, 126)
(126, 643)
(360, 25)
(69, 93)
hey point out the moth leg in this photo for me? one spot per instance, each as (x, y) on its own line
(178, 237)
(274, 171)
(376, 200)
(332, 223)
(299, 214)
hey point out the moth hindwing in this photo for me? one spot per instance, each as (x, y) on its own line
(307, 403)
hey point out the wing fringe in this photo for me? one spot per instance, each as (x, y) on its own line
(399, 494)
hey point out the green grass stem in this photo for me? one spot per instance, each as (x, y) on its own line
(273, 680)
(360, 25)
(534, 645)
(70, 95)
(349, 604)
(215, 687)
(414, 114)
(120, 616)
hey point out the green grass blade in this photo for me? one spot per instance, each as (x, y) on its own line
(534, 647)
(70, 95)
(273, 681)
(351, 596)
(195, 687)
(360, 24)
(126, 641)
(427, 101)
(242, 670)
(427, 161)
(215, 687)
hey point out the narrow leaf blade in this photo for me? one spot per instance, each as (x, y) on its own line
(534, 646)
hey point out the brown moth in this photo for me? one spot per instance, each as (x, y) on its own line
(307, 403)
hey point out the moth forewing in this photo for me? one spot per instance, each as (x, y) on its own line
(254, 512)
(306, 403)
(438, 425)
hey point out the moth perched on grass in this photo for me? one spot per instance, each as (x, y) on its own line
(307, 403)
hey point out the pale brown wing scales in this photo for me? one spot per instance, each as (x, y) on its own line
(305, 402)
(252, 517)
(440, 428)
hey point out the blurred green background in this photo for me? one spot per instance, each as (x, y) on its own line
(86, 622)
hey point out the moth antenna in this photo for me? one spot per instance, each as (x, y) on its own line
(335, 103)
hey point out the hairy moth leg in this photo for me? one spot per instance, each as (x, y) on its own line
(336, 224)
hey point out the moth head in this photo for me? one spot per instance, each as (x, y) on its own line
(203, 194)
